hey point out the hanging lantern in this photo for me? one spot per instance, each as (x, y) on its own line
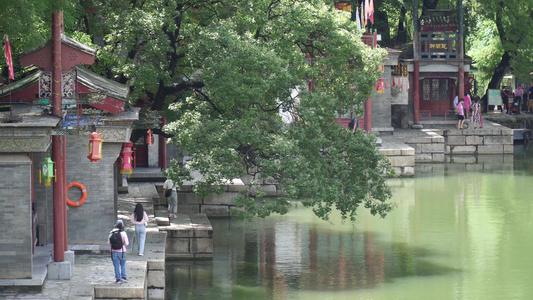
(95, 147)
(149, 137)
(47, 168)
(381, 85)
(126, 159)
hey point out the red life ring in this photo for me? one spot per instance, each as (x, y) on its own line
(83, 191)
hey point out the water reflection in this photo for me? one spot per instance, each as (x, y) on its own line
(458, 233)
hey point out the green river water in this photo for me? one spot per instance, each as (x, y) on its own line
(462, 231)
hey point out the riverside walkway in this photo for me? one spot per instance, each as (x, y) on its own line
(93, 274)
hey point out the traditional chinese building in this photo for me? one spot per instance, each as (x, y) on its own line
(89, 103)
(436, 66)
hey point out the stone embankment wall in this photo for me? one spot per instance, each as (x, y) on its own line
(434, 145)
(479, 141)
(400, 155)
(214, 206)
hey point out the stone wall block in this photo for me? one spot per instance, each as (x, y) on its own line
(508, 149)
(177, 245)
(456, 140)
(433, 148)
(188, 198)
(222, 199)
(463, 149)
(490, 149)
(402, 161)
(498, 140)
(16, 238)
(424, 157)
(201, 245)
(220, 211)
(463, 159)
(438, 157)
(474, 140)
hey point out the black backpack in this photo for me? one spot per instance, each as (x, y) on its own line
(351, 124)
(116, 240)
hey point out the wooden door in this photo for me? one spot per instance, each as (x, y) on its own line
(435, 95)
(141, 153)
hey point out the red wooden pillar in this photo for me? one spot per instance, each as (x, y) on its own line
(59, 186)
(416, 94)
(416, 65)
(163, 147)
(64, 184)
(460, 49)
(368, 115)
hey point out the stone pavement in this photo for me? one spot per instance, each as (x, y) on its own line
(93, 274)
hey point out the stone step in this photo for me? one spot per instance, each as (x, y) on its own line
(134, 289)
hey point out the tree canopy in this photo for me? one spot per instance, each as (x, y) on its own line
(251, 89)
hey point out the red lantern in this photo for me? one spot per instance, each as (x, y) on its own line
(381, 85)
(95, 147)
(126, 159)
(149, 137)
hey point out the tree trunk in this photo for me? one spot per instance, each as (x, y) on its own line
(401, 37)
(497, 76)
(429, 4)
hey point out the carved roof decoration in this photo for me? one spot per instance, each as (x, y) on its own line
(439, 20)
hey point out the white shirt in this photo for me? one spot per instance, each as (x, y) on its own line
(169, 185)
(455, 101)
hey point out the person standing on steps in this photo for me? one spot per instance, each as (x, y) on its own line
(476, 114)
(139, 218)
(170, 192)
(118, 240)
(460, 113)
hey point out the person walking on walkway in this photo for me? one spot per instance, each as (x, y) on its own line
(519, 92)
(139, 218)
(530, 101)
(460, 113)
(476, 114)
(172, 198)
(118, 240)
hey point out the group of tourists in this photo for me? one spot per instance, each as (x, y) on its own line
(118, 239)
(513, 101)
(465, 109)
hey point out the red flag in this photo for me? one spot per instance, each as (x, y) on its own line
(9, 60)
(371, 11)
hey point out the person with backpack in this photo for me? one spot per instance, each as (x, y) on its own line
(118, 240)
(139, 218)
(354, 124)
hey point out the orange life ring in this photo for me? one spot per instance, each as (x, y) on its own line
(83, 191)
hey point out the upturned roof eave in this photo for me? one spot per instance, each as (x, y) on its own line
(96, 82)
(64, 40)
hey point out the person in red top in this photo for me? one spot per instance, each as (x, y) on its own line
(118, 256)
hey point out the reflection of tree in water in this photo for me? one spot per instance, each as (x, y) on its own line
(329, 261)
